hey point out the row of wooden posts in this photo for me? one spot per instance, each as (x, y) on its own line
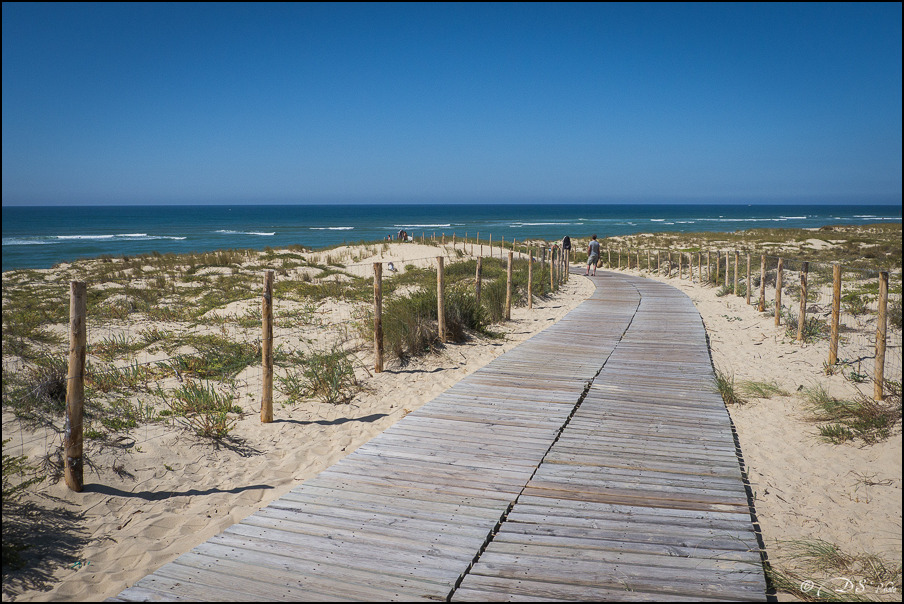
(75, 390)
(73, 439)
(882, 318)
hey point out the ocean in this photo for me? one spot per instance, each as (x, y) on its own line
(41, 237)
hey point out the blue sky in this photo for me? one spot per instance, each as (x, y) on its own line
(144, 103)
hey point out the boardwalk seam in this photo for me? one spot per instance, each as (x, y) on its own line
(564, 425)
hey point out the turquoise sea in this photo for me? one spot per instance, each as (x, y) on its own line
(40, 237)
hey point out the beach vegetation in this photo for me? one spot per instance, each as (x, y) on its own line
(18, 477)
(325, 374)
(725, 386)
(202, 409)
(762, 388)
(819, 571)
(814, 329)
(130, 378)
(37, 393)
(216, 356)
(409, 324)
(113, 346)
(860, 419)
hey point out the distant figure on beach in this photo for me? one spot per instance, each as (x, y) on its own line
(391, 267)
(593, 255)
(566, 243)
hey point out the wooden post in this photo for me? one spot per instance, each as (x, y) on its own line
(668, 268)
(737, 260)
(748, 280)
(508, 288)
(725, 279)
(658, 262)
(378, 317)
(881, 330)
(267, 349)
(491, 245)
(530, 278)
(552, 271)
(562, 266)
(648, 261)
(680, 264)
(762, 305)
(778, 292)
(478, 278)
(802, 319)
(609, 262)
(75, 385)
(836, 314)
(440, 306)
(709, 268)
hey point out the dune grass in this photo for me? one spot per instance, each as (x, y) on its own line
(819, 571)
(725, 385)
(860, 419)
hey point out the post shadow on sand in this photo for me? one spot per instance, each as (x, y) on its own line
(333, 422)
(53, 536)
(161, 495)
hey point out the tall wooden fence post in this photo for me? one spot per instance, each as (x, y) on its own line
(747, 284)
(727, 277)
(440, 305)
(378, 317)
(552, 273)
(778, 292)
(762, 304)
(881, 330)
(530, 278)
(802, 319)
(508, 288)
(477, 279)
(737, 260)
(75, 385)
(267, 349)
(836, 314)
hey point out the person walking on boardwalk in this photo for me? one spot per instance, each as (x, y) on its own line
(593, 255)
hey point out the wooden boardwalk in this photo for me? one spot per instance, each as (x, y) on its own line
(594, 461)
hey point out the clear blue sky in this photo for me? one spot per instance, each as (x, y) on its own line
(123, 103)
